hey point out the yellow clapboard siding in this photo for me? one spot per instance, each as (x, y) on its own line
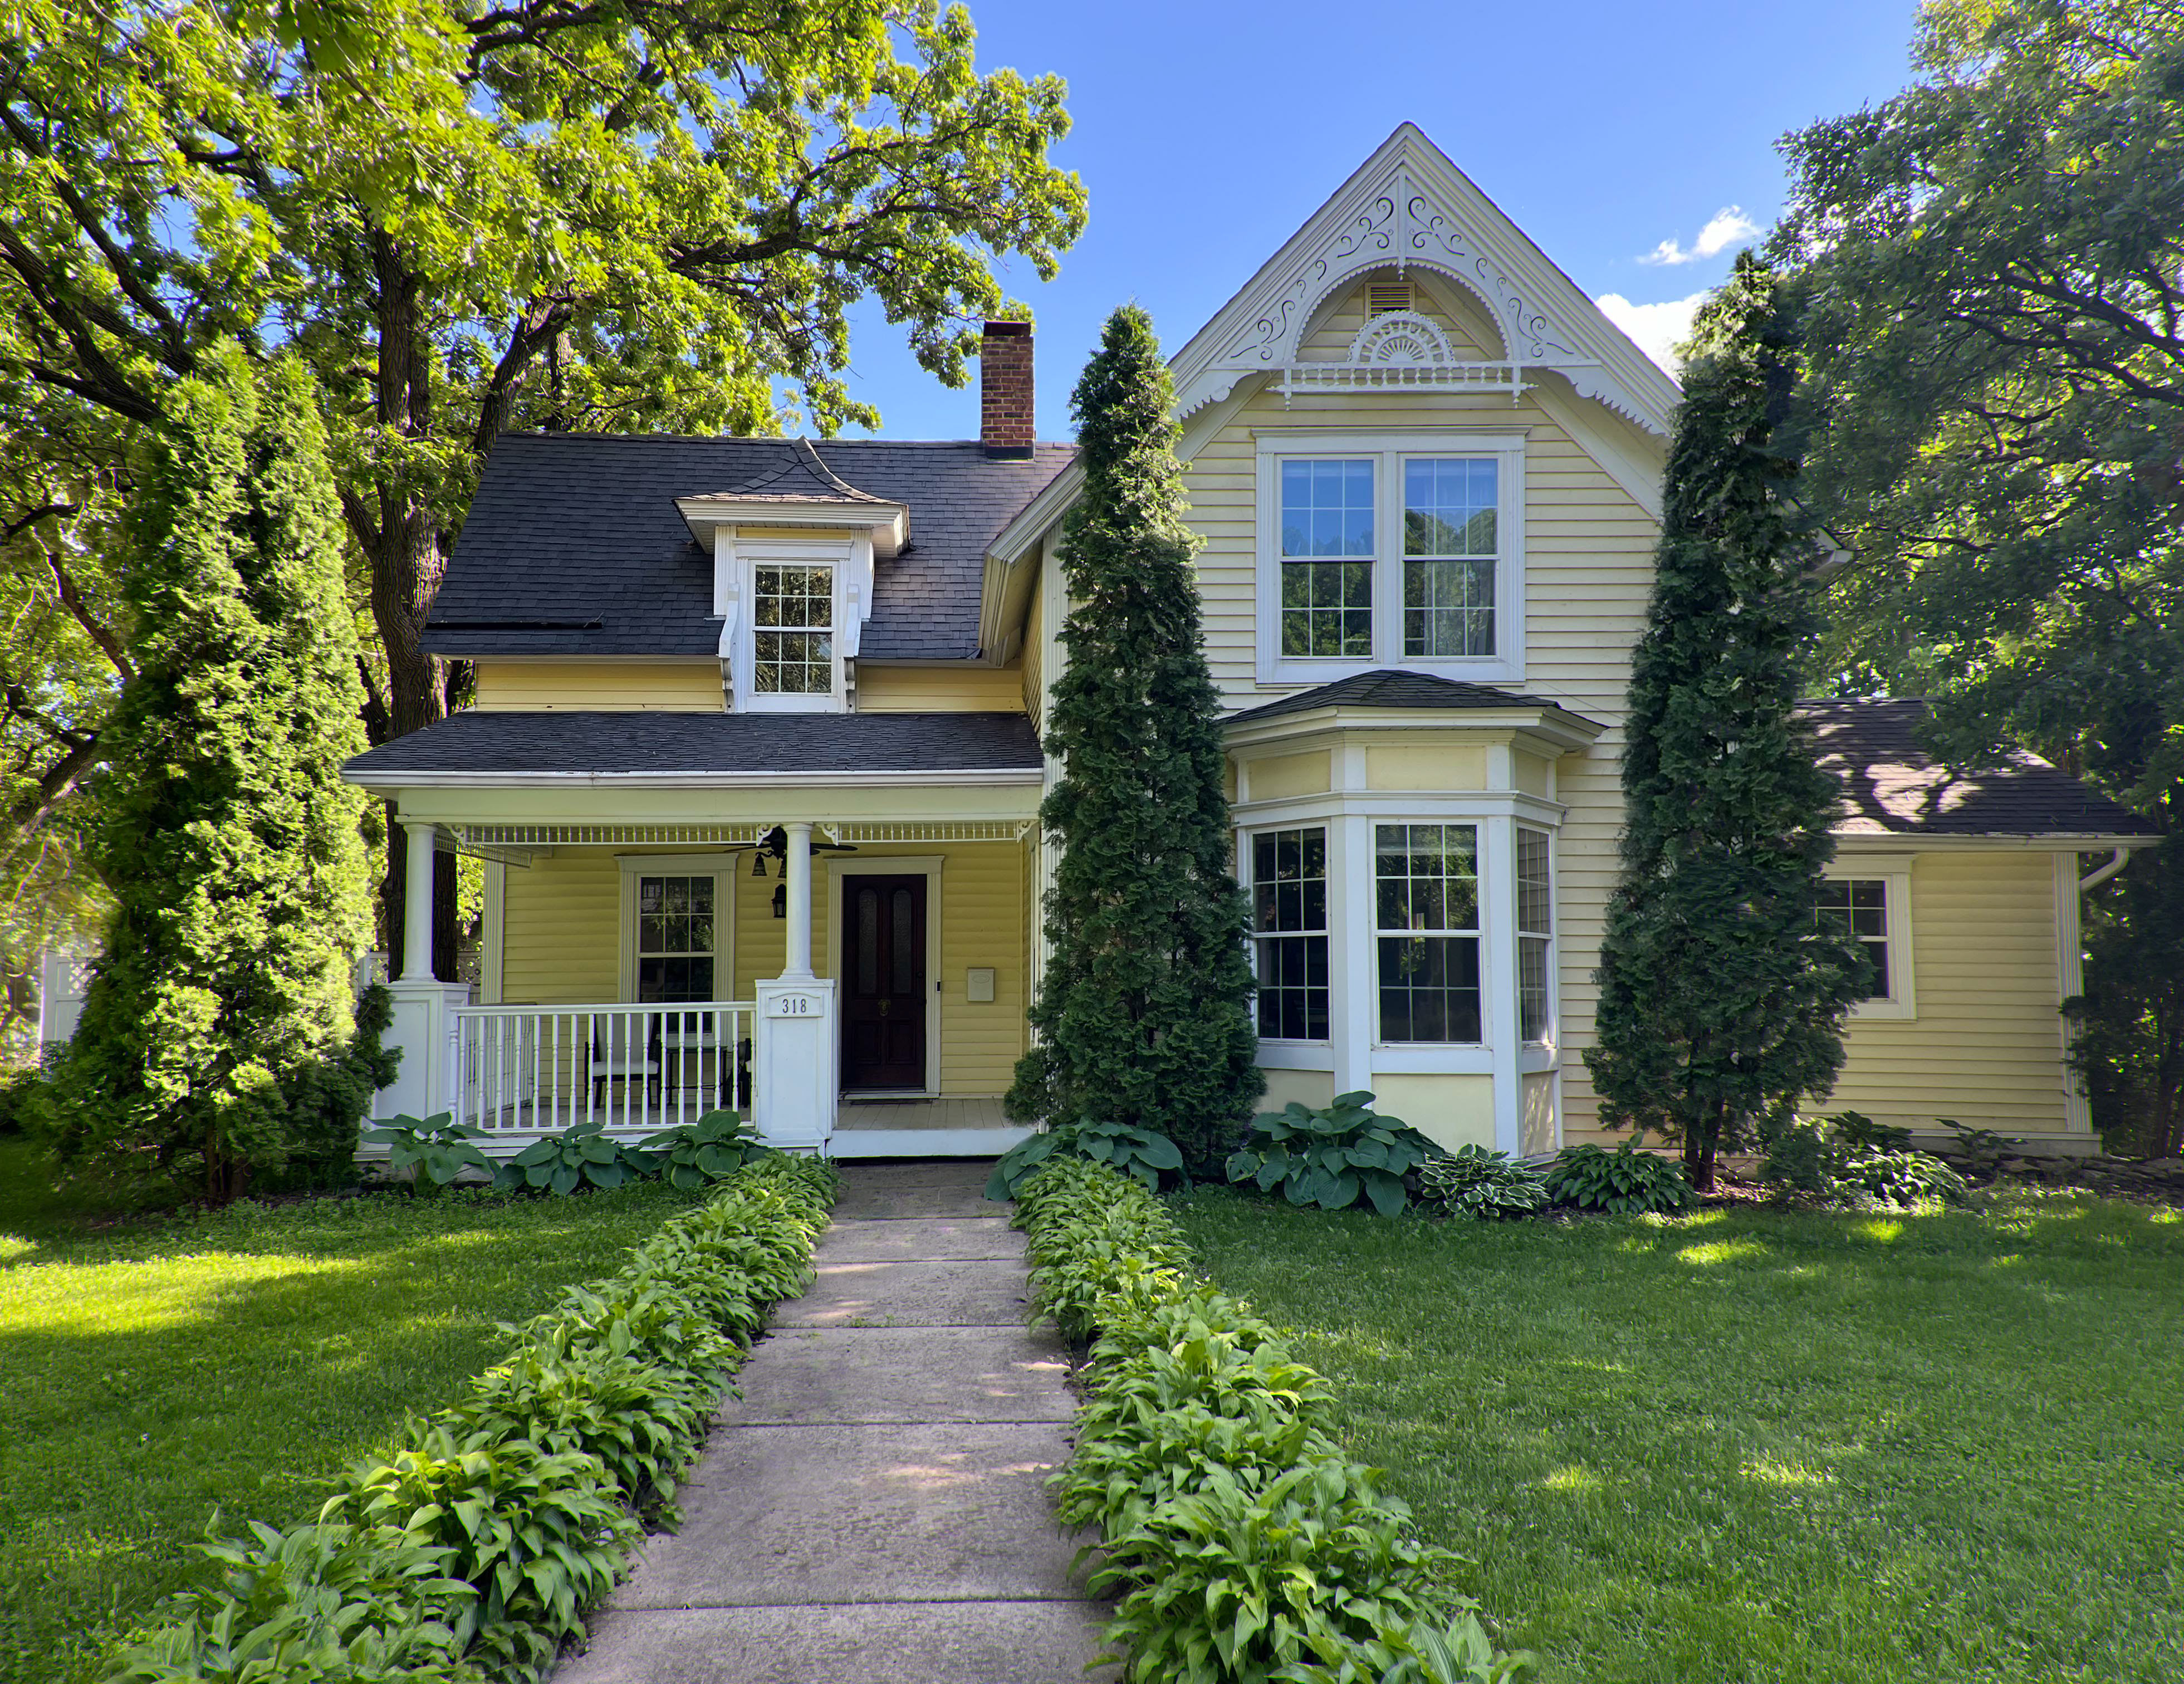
(599, 686)
(965, 688)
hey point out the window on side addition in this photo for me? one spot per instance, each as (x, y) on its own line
(1426, 911)
(793, 624)
(1288, 922)
(1858, 908)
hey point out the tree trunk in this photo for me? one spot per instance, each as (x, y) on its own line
(407, 564)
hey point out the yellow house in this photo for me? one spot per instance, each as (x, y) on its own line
(757, 738)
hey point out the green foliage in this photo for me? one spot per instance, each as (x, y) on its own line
(1429, 1650)
(437, 1148)
(1239, 1541)
(1721, 1001)
(717, 1144)
(1140, 1153)
(320, 1605)
(1713, 1449)
(507, 1515)
(1984, 1149)
(1987, 286)
(1627, 1181)
(1902, 1179)
(1850, 1159)
(231, 844)
(1143, 1010)
(583, 1154)
(1473, 1181)
(1344, 1154)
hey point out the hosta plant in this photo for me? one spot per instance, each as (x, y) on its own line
(1143, 1153)
(699, 1154)
(582, 1153)
(1625, 1182)
(1344, 1154)
(1473, 1181)
(1900, 1178)
(437, 1148)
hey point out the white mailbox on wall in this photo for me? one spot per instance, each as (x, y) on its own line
(978, 984)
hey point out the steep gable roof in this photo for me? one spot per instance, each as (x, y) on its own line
(1408, 206)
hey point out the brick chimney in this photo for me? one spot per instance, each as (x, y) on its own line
(1005, 426)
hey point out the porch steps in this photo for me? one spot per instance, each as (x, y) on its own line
(923, 1128)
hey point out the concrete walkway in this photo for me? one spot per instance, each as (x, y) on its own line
(874, 1506)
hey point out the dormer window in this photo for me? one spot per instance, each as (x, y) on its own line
(793, 631)
(794, 553)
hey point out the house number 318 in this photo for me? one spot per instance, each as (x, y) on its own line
(793, 1006)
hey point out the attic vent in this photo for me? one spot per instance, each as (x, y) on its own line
(1384, 297)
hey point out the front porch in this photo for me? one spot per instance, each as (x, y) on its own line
(845, 957)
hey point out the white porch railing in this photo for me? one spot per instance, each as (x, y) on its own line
(536, 1069)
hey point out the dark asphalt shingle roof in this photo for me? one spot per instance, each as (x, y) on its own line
(699, 742)
(574, 547)
(1396, 689)
(1892, 787)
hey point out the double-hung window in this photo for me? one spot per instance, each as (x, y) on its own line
(792, 630)
(1535, 933)
(1426, 916)
(675, 945)
(1390, 551)
(1288, 923)
(1870, 900)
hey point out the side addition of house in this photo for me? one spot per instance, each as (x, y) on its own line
(754, 758)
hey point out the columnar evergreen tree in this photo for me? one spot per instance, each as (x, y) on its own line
(216, 1037)
(1144, 1015)
(1721, 1003)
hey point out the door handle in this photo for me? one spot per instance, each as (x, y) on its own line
(883, 1008)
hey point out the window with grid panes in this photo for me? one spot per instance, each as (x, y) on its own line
(1327, 558)
(1535, 930)
(1858, 908)
(1288, 922)
(1452, 516)
(675, 946)
(1425, 885)
(793, 631)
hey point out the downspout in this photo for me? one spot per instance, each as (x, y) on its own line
(2101, 874)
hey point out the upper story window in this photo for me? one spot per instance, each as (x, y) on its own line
(1389, 550)
(793, 631)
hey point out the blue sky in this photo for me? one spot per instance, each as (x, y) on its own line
(1206, 133)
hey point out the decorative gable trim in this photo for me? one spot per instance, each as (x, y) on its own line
(1409, 207)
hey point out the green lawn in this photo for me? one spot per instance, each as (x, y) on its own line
(1769, 1447)
(151, 1373)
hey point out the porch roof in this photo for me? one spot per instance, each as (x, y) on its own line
(494, 746)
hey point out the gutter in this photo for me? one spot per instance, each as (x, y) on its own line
(975, 777)
(2101, 874)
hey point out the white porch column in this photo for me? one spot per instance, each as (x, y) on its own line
(799, 867)
(796, 1064)
(417, 902)
(427, 1080)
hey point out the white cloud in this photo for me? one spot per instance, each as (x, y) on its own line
(1728, 226)
(1656, 327)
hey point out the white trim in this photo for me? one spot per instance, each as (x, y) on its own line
(1388, 450)
(493, 935)
(1893, 873)
(2071, 981)
(927, 866)
(968, 779)
(722, 868)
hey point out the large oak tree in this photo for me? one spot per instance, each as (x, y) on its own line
(469, 216)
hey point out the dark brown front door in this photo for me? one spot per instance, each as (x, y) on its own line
(883, 982)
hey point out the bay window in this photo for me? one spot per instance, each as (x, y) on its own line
(1425, 881)
(1288, 922)
(1535, 930)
